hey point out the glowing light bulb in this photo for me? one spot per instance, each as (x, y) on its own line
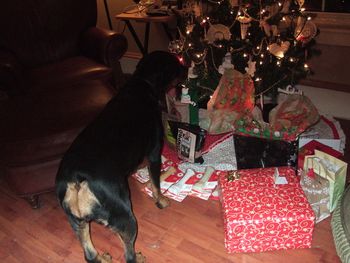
(306, 66)
(245, 55)
(309, 18)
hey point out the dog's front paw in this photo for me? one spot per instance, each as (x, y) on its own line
(140, 258)
(162, 202)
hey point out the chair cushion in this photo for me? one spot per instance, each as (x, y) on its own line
(70, 70)
(341, 227)
(41, 127)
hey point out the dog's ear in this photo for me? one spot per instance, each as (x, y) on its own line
(160, 68)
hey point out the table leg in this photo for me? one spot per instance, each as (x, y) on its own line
(167, 32)
(107, 14)
(136, 38)
(145, 42)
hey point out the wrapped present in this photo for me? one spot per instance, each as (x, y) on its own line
(265, 212)
(254, 152)
(309, 149)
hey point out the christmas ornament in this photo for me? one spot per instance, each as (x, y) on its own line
(189, 28)
(245, 24)
(176, 46)
(278, 50)
(269, 29)
(218, 32)
(185, 97)
(300, 2)
(234, 3)
(226, 64)
(251, 67)
(232, 176)
(285, 7)
(197, 9)
(305, 30)
(191, 72)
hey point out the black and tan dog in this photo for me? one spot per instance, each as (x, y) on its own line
(92, 181)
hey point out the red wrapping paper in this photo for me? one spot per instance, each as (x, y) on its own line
(261, 216)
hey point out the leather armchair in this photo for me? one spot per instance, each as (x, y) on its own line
(57, 72)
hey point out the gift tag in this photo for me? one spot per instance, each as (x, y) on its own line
(279, 179)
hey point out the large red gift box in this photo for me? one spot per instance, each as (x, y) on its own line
(260, 215)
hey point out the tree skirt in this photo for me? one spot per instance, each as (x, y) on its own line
(341, 227)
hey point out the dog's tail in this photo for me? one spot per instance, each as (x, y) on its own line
(77, 199)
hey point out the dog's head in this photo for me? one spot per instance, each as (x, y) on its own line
(161, 69)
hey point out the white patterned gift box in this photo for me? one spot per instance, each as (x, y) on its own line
(260, 215)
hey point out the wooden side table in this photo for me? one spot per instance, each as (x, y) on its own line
(143, 18)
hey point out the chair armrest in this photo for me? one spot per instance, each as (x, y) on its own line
(103, 45)
(11, 72)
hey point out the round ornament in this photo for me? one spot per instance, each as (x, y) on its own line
(307, 32)
(278, 50)
(218, 32)
(176, 46)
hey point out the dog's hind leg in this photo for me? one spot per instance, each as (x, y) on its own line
(82, 230)
(126, 227)
(154, 171)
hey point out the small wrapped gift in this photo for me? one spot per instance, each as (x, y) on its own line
(265, 211)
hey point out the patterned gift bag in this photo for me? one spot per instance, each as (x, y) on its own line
(316, 189)
(323, 166)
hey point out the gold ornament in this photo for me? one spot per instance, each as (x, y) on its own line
(305, 31)
(232, 176)
(245, 24)
(218, 32)
(278, 50)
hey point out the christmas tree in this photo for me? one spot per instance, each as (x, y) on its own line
(271, 40)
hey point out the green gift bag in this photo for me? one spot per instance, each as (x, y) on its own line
(332, 169)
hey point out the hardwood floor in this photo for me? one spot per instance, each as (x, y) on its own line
(188, 232)
(191, 231)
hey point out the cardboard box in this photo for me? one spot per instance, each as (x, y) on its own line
(260, 215)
